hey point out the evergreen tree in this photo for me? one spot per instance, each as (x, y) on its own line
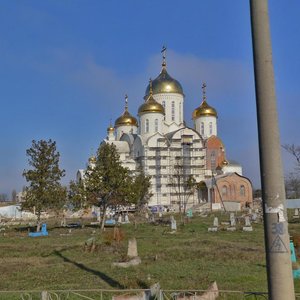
(44, 190)
(76, 195)
(140, 189)
(107, 183)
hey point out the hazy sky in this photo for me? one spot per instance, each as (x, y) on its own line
(66, 65)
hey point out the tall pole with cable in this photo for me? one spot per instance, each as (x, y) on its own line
(279, 267)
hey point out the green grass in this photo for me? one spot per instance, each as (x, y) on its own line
(190, 259)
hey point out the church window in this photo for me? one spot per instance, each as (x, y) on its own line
(164, 105)
(210, 128)
(213, 160)
(242, 190)
(224, 190)
(156, 125)
(147, 126)
(173, 110)
(180, 111)
(202, 128)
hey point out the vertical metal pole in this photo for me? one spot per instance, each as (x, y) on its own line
(279, 268)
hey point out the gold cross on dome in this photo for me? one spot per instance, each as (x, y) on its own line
(204, 91)
(126, 101)
(164, 51)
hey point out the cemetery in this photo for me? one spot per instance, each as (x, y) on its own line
(140, 250)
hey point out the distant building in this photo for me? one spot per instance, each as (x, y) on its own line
(20, 197)
(170, 152)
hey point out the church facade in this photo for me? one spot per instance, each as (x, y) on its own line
(172, 154)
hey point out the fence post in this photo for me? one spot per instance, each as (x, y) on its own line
(44, 295)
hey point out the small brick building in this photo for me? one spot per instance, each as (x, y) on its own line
(231, 190)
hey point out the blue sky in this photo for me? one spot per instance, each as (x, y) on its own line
(65, 67)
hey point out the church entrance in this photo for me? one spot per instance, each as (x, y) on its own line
(202, 193)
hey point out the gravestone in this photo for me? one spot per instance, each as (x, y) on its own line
(247, 221)
(132, 248)
(232, 220)
(173, 224)
(215, 225)
(160, 215)
(296, 214)
(247, 226)
(120, 219)
(232, 223)
(216, 222)
(126, 219)
(132, 254)
(146, 216)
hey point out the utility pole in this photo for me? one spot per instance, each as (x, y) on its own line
(279, 266)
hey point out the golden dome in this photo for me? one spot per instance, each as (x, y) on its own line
(151, 105)
(164, 83)
(110, 128)
(225, 162)
(204, 109)
(126, 119)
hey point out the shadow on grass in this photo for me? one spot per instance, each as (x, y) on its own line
(113, 283)
(25, 229)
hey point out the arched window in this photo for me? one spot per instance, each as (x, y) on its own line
(173, 111)
(213, 160)
(147, 126)
(156, 125)
(242, 190)
(224, 191)
(202, 128)
(164, 105)
(180, 112)
(210, 128)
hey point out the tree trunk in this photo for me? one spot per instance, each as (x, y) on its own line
(103, 218)
(38, 224)
(63, 222)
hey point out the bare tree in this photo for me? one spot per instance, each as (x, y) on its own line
(292, 180)
(183, 185)
(294, 150)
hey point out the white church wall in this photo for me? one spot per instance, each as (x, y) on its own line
(151, 123)
(172, 113)
(206, 126)
(233, 169)
(125, 129)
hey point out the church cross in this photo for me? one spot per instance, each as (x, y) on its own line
(204, 91)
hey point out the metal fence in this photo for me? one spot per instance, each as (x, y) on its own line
(99, 294)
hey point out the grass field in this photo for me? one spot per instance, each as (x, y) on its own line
(189, 259)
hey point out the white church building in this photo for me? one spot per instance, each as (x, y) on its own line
(169, 151)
